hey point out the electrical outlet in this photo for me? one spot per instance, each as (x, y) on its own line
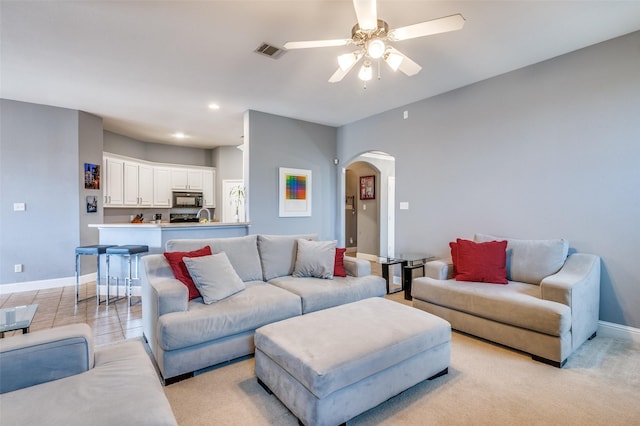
(17, 267)
(19, 207)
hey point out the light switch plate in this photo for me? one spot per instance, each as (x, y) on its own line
(404, 205)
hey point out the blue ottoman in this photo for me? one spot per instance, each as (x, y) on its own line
(331, 365)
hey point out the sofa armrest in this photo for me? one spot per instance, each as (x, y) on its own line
(161, 288)
(438, 269)
(357, 267)
(577, 285)
(162, 293)
(42, 356)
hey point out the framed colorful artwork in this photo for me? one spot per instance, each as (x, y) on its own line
(368, 187)
(295, 192)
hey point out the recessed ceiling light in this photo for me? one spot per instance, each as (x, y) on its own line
(179, 135)
(214, 106)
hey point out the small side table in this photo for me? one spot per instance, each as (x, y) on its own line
(408, 262)
(18, 318)
(386, 262)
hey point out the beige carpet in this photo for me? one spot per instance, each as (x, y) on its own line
(486, 385)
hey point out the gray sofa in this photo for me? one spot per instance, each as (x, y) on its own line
(549, 307)
(54, 377)
(186, 336)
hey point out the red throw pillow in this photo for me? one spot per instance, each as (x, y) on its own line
(454, 257)
(180, 269)
(482, 262)
(338, 266)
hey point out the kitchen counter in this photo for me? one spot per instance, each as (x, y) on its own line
(156, 235)
(169, 225)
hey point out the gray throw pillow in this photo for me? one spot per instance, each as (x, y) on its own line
(214, 277)
(315, 259)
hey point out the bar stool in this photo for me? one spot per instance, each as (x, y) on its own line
(128, 251)
(93, 250)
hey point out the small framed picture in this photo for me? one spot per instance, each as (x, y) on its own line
(368, 187)
(91, 176)
(92, 204)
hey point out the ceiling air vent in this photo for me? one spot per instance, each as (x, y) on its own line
(270, 51)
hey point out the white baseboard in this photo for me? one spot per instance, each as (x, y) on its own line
(45, 284)
(610, 329)
(58, 282)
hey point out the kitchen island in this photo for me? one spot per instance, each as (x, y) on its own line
(156, 235)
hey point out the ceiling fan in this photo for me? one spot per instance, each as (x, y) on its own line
(371, 37)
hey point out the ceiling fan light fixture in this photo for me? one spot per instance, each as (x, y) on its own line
(375, 48)
(347, 60)
(393, 60)
(366, 72)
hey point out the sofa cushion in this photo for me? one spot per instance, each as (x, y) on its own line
(518, 304)
(481, 262)
(257, 305)
(315, 259)
(214, 276)
(243, 255)
(180, 269)
(278, 253)
(241, 251)
(531, 261)
(318, 293)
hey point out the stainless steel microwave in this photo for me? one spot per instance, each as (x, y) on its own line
(187, 199)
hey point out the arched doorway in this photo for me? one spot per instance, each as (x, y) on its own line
(367, 224)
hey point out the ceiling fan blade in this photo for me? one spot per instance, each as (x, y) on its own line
(341, 73)
(315, 43)
(407, 66)
(435, 26)
(367, 14)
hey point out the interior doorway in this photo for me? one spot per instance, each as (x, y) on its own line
(368, 210)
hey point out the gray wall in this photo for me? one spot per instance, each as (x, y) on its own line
(156, 152)
(228, 163)
(89, 151)
(274, 142)
(551, 150)
(41, 165)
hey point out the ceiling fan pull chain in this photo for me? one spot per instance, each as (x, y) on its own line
(378, 69)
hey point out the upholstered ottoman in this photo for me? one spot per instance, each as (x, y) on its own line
(331, 365)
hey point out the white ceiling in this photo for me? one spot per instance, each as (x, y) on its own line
(151, 68)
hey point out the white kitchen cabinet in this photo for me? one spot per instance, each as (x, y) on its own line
(208, 188)
(132, 183)
(162, 187)
(186, 179)
(114, 179)
(138, 184)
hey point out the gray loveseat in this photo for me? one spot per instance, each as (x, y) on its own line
(54, 377)
(186, 336)
(549, 307)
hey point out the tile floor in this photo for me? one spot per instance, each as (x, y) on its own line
(111, 324)
(56, 307)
